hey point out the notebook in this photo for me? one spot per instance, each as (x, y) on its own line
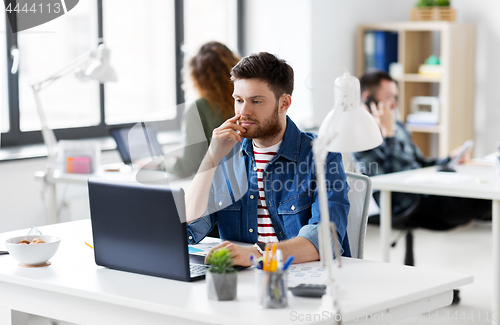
(137, 228)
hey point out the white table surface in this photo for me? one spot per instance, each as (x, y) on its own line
(75, 289)
(470, 181)
(118, 172)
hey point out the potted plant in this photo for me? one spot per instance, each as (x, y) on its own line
(221, 276)
(433, 3)
(433, 10)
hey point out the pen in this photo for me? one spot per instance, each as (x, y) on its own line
(88, 245)
(279, 259)
(273, 265)
(289, 261)
(254, 261)
(266, 257)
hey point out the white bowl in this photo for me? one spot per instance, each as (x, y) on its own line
(36, 254)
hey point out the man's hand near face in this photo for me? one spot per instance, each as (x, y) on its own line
(385, 117)
(224, 138)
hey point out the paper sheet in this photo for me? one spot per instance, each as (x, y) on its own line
(201, 249)
(309, 273)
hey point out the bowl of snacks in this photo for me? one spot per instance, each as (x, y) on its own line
(33, 250)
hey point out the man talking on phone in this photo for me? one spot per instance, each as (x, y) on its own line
(257, 180)
(398, 152)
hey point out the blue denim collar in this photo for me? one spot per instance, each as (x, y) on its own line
(289, 148)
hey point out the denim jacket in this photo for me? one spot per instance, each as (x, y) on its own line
(291, 193)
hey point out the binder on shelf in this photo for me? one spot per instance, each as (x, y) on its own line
(369, 50)
(380, 49)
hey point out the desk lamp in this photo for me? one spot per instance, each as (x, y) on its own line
(91, 65)
(347, 128)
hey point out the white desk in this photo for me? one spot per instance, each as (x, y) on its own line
(76, 290)
(126, 174)
(470, 182)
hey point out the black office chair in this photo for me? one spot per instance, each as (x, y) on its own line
(407, 221)
(400, 221)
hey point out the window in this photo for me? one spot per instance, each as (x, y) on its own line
(205, 21)
(4, 112)
(145, 44)
(45, 50)
(143, 55)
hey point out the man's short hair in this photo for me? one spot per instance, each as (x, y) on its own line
(371, 81)
(266, 67)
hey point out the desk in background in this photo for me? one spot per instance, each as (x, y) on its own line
(75, 289)
(470, 181)
(117, 172)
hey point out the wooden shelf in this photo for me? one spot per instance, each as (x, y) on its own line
(453, 43)
(411, 26)
(415, 77)
(423, 128)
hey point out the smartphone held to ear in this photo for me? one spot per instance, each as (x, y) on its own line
(369, 101)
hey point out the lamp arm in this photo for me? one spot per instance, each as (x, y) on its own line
(78, 61)
(320, 152)
(330, 301)
(326, 252)
(48, 134)
(327, 227)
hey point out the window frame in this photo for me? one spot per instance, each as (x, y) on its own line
(15, 137)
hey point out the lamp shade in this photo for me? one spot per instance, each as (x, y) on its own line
(356, 131)
(100, 69)
(350, 127)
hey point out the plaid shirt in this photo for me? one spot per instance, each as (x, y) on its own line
(395, 154)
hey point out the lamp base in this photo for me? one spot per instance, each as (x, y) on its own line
(330, 307)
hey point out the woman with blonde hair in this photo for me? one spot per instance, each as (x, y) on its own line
(210, 71)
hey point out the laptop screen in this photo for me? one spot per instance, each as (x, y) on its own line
(136, 142)
(139, 228)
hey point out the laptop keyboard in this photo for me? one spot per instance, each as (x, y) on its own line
(198, 269)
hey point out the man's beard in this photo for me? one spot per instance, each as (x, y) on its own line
(266, 130)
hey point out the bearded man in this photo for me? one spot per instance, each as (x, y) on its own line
(257, 180)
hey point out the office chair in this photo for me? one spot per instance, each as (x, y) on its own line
(359, 197)
(403, 221)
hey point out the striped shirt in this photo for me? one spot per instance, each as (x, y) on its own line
(265, 226)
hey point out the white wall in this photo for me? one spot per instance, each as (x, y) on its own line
(484, 14)
(334, 39)
(283, 27)
(20, 196)
(318, 35)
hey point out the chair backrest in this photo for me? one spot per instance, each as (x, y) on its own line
(359, 197)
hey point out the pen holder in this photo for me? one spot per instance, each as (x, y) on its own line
(271, 288)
